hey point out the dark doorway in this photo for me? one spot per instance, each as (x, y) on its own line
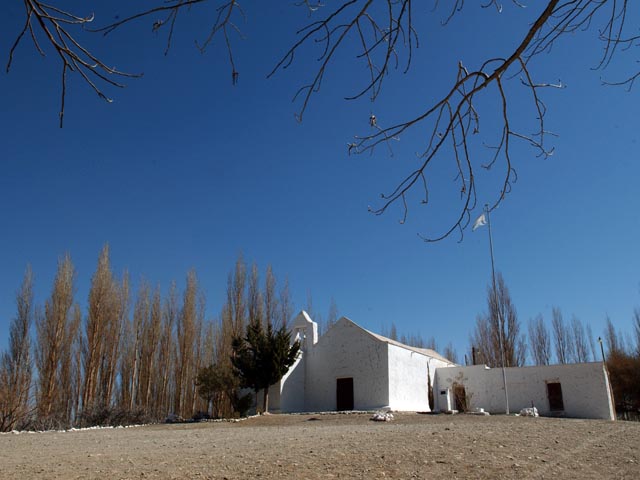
(554, 393)
(344, 394)
(460, 397)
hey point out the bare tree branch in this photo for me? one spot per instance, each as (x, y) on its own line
(454, 118)
(379, 32)
(222, 24)
(384, 37)
(54, 24)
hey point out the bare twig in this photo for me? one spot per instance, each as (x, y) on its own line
(389, 28)
(54, 24)
(222, 25)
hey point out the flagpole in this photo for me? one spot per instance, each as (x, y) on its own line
(500, 323)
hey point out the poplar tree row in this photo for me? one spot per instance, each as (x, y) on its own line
(128, 358)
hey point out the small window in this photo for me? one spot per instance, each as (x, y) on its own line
(554, 393)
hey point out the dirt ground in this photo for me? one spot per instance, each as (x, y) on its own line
(333, 446)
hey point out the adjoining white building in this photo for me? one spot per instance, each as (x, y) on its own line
(350, 368)
(580, 390)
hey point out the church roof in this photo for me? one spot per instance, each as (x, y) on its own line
(423, 351)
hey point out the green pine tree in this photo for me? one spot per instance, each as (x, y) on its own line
(262, 357)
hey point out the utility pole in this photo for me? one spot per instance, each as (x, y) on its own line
(606, 371)
(498, 311)
(601, 349)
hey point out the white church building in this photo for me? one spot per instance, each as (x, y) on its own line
(350, 368)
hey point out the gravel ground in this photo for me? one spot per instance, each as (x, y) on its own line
(333, 446)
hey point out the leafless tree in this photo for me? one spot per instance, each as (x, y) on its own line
(188, 337)
(166, 355)
(210, 329)
(151, 331)
(430, 343)
(234, 312)
(450, 353)
(52, 353)
(562, 338)
(592, 343)
(15, 364)
(242, 300)
(101, 285)
(539, 341)
(393, 333)
(413, 339)
(236, 296)
(313, 313)
(132, 349)
(501, 321)
(580, 342)
(270, 299)
(112, 341)
(613, 340)
(286, 303)
(254, 297)
(68, 399)
(108, 306)
(206, 357)
(383, 37)
(127, 362)
(636, 330)
(224, 336)
(77, 348)
(332, 316)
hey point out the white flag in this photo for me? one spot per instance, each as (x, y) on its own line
(480, 222)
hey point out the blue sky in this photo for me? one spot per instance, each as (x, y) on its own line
(183, 171)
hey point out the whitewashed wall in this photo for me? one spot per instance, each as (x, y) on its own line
(347, 351)
(585, 388)
(409, 372)
(408, 380)
(288, 394)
